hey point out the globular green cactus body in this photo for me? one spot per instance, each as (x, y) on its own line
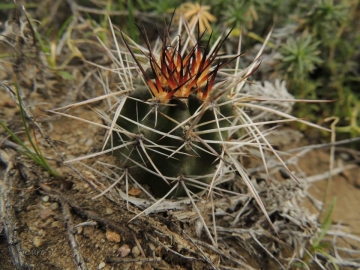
(162, 143)
(174, 130)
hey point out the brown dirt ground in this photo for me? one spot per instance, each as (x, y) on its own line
(41, 228)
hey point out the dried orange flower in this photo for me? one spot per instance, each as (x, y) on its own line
(195, 13)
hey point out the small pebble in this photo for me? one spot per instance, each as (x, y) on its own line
(89, 142)
(113, 236)
(54, 206)
(134, 192)
(135, 251)
(45, 198)
(37, 241)
(124, 250)
(79, 229)
(101, 265)
(109, 211)
(151, 246)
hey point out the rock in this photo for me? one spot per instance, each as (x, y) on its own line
(109, 211)
(89, 142)
(112, 236)
(124, 250)
(79, 229)
(135, 251)
(151, 246)
(134, 192)
(54, 206)
(101, 265)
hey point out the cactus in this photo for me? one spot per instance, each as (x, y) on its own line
(170, 128)
(182, 128)
(180, 124)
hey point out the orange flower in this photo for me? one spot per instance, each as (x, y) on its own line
(178, 76)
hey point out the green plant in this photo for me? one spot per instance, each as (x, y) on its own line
(319, 45)
(36, 154)
(243, 14)
(109, 6)
(160, 7)
(318, 246)
(49, 47)
(353, 112)
(323, 17)
(333, 30)
(300, 57)
(10, 6)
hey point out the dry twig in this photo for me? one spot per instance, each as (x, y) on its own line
(7, 212)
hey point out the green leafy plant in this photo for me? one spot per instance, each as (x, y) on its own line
(160, 7)
(49, 47)
(318, 246)
(244, 14)
(320, 52)
(10, 6)
(323, 17)
(332, 27)
(35, 154)
(300, 57)
(353, 112)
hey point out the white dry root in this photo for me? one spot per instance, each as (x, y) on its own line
(255, 105)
